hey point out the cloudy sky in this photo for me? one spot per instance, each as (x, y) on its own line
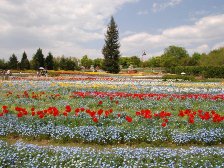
(77, 27)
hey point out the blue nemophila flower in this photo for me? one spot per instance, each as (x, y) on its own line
(28, 155)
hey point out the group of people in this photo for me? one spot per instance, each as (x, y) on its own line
(5, 74)
(42, 73)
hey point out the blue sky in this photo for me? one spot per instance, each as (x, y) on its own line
(77, 27)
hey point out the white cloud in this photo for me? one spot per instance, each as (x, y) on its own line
(29, 24)
(196, 37)
(158, 6)
(204, 48)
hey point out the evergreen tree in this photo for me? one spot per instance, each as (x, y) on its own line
(13, 62)
(62, 63)
(111, 48)
(70, 64)
(38, 59)
(3, 64)
(56, 63)
(49, 62)
(24, 64)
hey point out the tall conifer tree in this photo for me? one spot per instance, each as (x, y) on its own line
(24, 64)
(49, 61)
(38, 59)
(111, 48)
(13, 62)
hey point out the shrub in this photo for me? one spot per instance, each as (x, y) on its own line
(178, 77)
(205, 71)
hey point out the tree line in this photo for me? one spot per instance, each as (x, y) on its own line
(39, 60)
(173, 56)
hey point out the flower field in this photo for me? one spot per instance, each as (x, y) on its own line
(28, 155)
(111, 111)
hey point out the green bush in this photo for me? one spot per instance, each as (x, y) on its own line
(178, 77)
(206, 71)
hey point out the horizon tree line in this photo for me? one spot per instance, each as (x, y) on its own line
(173, 56)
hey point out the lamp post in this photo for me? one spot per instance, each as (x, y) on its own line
(144, 54)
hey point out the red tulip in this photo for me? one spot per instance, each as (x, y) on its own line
(68, 108)
(137, 113)
(181, 113)
(65, 113)
(164, 124)
(128, 118)
(19, 115)
(4, 107)
(100, 111)
(41, 115)
(191, 120)
(95, 119)
(165, 120)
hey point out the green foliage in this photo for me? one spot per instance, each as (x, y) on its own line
(112, 66)
(56, 63)
(13, 62)
(24, 64)
(68, 63)
(123, 61)
(195, 59)
(62, 63)
(205, 71)
(38, 60)
(211, 72)
(174, 56)
(127, 61)
(178, 77)
(214, 58)
(153, 62)
(135, 61)
(86, 62)
(98, 62)
(111, 48)
(3, 64)
(49, 62)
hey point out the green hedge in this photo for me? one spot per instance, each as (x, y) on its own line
(207, 72)
(178, 77)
